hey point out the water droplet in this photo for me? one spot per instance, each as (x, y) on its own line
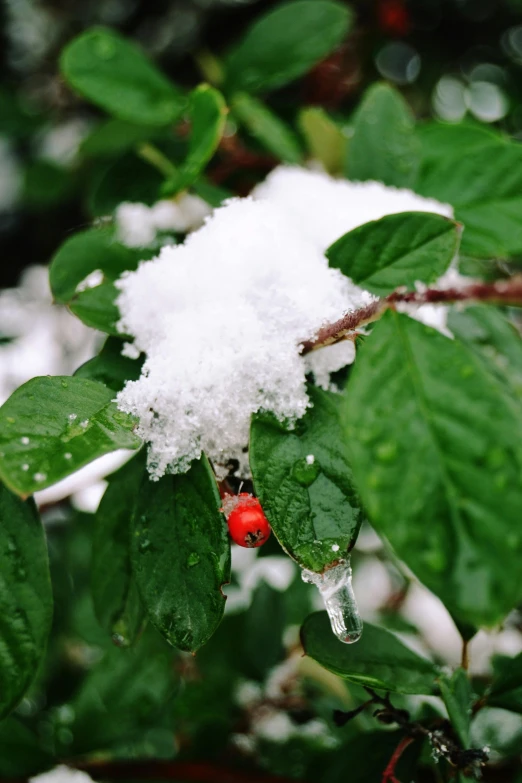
(84, 423)
(64, 383)
(192, 559)
(67, 455)
(105, 48)
(335, 586)
(25, 440)
(119, 640)
(386, 452)
(144, 545)
(72, 416)
(310, 459)
(305, 472)
(40, 476)
(335, 547)
(25, 467)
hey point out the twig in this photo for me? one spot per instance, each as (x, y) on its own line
(501, 292)
(440, 736)
(464, 661)
(388, 776)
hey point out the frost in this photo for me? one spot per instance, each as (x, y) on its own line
(138, 224)
(91, 281)
(220, 318)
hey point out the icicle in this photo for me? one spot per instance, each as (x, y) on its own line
(335, 586)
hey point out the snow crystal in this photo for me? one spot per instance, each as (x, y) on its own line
(220, 317)
(137, 224)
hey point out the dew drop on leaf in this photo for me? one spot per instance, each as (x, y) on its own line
(305, 472)
(192, 559)
(144, 545)
(335, 587)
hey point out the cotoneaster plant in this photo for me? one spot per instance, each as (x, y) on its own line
(346, 342)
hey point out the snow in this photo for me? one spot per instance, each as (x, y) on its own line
(137, 224)
(220, 318)
(62, 774)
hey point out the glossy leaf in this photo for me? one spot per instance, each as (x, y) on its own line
(383, 145)
(207, 113)
(114, 74)
(116, 602)
(442, 139)
(456, 694)
(97, 308)
(265, 126)
(438, 463)
(51, 426)
(378, 660)
(396, 250)
(84, 253)
(26, 601)
(484, 187)
(110, 367)
(181, 555)
(285, 43)
(325, 140)
(313, 508)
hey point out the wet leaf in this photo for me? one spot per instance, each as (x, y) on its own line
(181, 555)
(97, 308)
(116, 602)
(438, 462)
(114, 74)
(285, 43)
(26, 601)
(51, 426)
(378, 660)
(456, 694)
(396, 250)
(207, 114)
(313, 508)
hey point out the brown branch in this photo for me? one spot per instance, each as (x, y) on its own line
(500, 292)
(198, 771)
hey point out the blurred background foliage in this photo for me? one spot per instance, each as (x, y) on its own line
(248, 700)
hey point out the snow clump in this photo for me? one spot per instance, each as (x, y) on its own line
(220, 318)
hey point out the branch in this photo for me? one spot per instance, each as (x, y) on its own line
(500, 292)
(388, 776)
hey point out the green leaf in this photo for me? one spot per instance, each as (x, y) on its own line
(396, 250)
(114, 137)
(313, 509)
(21, 754)
(378, 660)
(484, 187)
(207, 112)
(265, 126)
(383, 145)
(114, 74)
(26, 601)
(506, 689)
(122, 696)
(438, 462)
(442, 139)
(181, 555)
(286, 43)
(456, 694)
(128, 179)
(97, 308)
(114, 591)
(110, 367)
(493, 337)
(85, 252)
(263, 633)
(325, 140)
(51, 426)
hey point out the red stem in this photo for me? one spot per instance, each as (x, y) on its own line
(388, 776)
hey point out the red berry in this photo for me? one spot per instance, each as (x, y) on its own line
(394, 17)
(247, 523)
